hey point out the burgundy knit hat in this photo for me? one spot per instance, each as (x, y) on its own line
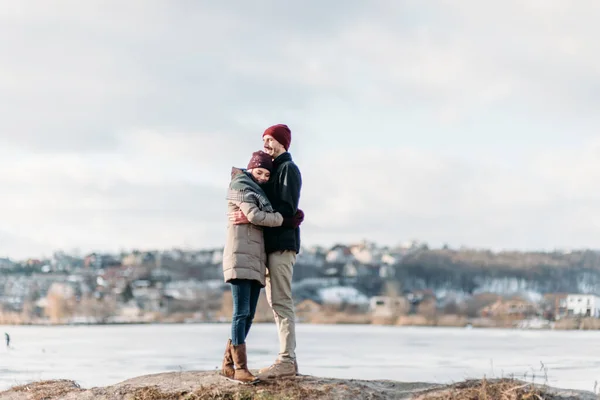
(260, 159)
(281, 133)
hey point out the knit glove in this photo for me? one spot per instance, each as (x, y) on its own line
(295, 221)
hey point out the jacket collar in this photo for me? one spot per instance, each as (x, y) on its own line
(281, 159)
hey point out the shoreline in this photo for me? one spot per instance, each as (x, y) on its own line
(567, 325)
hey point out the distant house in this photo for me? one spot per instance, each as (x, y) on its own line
(203, 257)
(311, 257)
(333, 270)
(366, 253)
(386, 271)
(343, 295)
(584, 305)
(309, 288)
(6, 263)
(515, 308)
(339, 254)
(148, 297)
(555, 305)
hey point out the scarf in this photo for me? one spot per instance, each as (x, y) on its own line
(243, 189)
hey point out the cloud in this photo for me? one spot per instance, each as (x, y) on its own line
(145, 196)
(466, 123)
(548, 202)
(75, 80)
(154, 191)
(454, 60)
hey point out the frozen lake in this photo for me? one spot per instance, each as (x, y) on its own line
(103, 355)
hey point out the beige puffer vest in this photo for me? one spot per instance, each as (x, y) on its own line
(244, 255)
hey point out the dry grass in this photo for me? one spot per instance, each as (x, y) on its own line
(566, 324)
(452, 320)
(499, 389)
(154, 393)
(280, 390)
(377, 320)
(13, 318)
(577, 323)
(177, 318)
(483, 323)
(447, 320)
(292, 389)
(44, 390)
(590, 324)
(415, 320)
(331, 317)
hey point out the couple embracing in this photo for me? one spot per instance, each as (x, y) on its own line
(263, 239)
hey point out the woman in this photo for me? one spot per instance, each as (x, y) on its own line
(244, 256)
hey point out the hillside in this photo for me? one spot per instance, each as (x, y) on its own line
(470, 271)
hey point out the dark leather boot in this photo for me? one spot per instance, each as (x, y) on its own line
(227, 369)
(242, 374)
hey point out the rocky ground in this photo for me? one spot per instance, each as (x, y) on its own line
(205, 385)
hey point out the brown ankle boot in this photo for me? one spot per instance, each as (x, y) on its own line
(227, 369)
(241, 365)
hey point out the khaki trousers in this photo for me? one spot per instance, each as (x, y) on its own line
(280, 266)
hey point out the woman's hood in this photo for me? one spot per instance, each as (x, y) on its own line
(236, 171)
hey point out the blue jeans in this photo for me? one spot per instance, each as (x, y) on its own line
(245, 294)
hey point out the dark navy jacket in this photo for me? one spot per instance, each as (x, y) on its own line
(283, 190)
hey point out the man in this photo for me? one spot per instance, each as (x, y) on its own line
(282, 245)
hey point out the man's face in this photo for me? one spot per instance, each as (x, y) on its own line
(272, 147)
(260, 175)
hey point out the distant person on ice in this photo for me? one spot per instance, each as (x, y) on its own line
(244, 256)
(7, 336)
(282, 245)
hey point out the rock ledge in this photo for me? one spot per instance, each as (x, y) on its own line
(209, 385)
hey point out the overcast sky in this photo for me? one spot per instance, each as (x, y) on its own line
(461, 122)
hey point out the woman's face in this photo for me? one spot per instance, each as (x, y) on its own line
(260, 175)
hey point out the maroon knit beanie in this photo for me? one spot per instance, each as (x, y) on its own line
(281, 133)
(260, 159)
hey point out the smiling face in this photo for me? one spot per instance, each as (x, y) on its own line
(272, 147)
(260, 175)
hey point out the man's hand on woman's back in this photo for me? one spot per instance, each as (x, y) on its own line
(295, 221)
